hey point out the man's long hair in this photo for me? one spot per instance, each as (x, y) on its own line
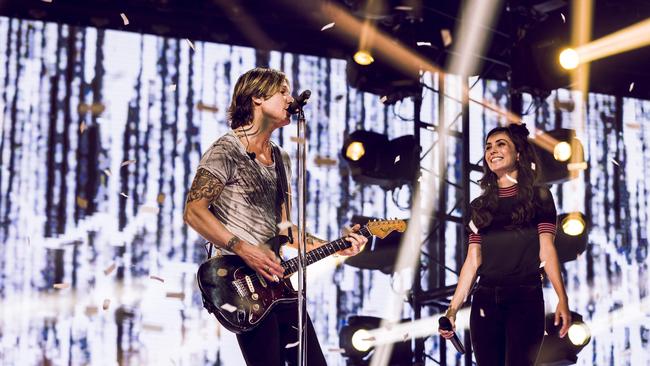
(256, 83)
(484, 207)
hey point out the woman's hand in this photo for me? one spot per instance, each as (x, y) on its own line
(260, 259)
(357, 241)
(563, 314)
(447, 334)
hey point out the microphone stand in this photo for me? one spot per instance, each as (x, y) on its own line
(302, 238)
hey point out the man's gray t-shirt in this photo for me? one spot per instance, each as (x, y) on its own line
(247, 205)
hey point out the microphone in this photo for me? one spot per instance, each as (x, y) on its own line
(298, 102)
(445, 324)
(251, 155)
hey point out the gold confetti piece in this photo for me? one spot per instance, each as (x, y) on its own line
(207, 108)
(383, 99)
(405, 337)
(61, 286)
(533, 166)
(631, 87)
(324, 161)
(615, 162)
(82, 202)
(423, 44)
(175, 295)
(46, 1)
(513, 180)
(124, 195)
(397, 159)
(110, 269)
(149, 209)
(577, 166)
(91, 310)
(229, 308)
(97, 109)
(157, 278)
(563, 17)
(291, 345)
(473, 227)
(83, 108)
(336, 350)
(190, 44)
(124, 19)
(152, 327)
(82, 127)
(327, 26)
(297, 140)
(106, 303)
(446, 37)
(127, 162)
(172, 88)
(160, 198)
(482, 313)
(107, 171)
(284, 225)
(404, 8)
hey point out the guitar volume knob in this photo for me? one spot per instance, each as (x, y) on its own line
(255, 296)
(256, 307)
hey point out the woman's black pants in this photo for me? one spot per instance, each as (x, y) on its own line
(507, 324)
(273, 342)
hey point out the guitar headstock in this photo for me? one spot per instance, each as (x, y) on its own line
(381, 228)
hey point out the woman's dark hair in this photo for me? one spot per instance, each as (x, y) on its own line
(485, 205)
(256, 83)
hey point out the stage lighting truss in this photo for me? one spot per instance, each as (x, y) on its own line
(374, 159)
(561, 156)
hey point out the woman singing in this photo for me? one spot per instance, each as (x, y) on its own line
(512, 232)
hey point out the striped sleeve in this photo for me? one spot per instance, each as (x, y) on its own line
(474, 238)
(546, 228)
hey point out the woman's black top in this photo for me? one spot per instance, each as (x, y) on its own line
(509, 252)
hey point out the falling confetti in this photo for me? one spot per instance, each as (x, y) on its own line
(124, 195)
(157, 278)
(404, 8)
(110, 269)
(615, 162)
(405, 337)
(482, 313)
(297, 140)
(336, 350)
(46, 1)
(97, 109)
(339, 97)
(172, 88)
(82, 127)
(328, 26)
(106, 304)
(61, 286)
(229, 308)
(513, 180)
(541, 265)
(175, 295)
(446, 37)
(127, 162)
(291, 345)
(383, 99)
(397, 159)
(420, 44)
(152, 327)
(563, 17)
(191, 46)
(631, 87)
(107, 172)
(124, 19)
(473, 227)
(324, 161)
(149, 209)
(161, 198)
(532, 166)
(82, 202)
(577, 166)
(206, 108)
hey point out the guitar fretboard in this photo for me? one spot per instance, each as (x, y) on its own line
(325, 250)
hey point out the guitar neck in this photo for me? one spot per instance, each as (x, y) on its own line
(324, 251)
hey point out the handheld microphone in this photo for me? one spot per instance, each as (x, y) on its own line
(251, 155)
(445, 324)
(299, 101)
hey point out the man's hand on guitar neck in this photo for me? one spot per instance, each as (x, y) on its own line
(357, 241)
(261, 259)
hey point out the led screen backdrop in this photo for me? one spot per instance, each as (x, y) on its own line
(101, 133)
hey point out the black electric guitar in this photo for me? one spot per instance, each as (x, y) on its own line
(240, 298)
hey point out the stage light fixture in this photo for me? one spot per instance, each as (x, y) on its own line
(358, 345)
(363, 58)
(562, 151)
(361, 340)
(561, 156)
(571, 237)
(573, 224)
(569, 59)
(558, 351)
(374, 159)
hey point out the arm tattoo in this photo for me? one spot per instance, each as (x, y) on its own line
(204, 186)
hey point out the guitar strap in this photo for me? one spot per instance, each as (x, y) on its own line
(282, 195)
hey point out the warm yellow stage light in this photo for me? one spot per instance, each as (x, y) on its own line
(363, 58)
(573, 224)
(569, 59)
(562, 151)
(355, 151)
(362, 340)
(579, 334)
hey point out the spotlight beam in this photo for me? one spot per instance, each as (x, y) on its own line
(626, 39)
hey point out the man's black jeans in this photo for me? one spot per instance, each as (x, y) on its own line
(507, 323)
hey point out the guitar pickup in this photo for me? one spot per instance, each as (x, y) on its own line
(262, 281)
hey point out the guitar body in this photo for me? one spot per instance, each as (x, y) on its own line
(234, 293)
(240, 298)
